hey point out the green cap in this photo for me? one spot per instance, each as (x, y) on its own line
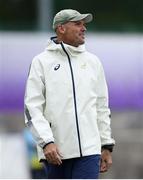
(67, 15)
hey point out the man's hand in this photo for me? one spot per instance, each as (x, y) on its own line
(52, 154)
(106, 160)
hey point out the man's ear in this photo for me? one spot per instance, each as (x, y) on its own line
(61, 29)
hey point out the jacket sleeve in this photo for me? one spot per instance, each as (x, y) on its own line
(35, 104)
(103, 111)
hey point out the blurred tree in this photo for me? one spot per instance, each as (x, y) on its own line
(111, 15)
(18, 14)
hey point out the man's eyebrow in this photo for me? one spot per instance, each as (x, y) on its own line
(78, 22)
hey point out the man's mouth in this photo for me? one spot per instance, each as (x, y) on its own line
(82, 35)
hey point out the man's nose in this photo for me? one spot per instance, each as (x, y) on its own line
(83, 28)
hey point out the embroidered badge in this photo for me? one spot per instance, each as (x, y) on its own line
(83, 66)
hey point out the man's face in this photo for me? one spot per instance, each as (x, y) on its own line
(74, 33)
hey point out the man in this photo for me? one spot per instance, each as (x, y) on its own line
(66, 103)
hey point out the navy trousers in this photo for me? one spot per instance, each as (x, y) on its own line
(87, 167)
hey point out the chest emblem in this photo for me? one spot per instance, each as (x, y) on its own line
(57, 67)
(83, 66)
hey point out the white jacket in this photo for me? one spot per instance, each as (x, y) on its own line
(66, 101)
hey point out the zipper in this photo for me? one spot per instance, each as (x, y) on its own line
(74, 96)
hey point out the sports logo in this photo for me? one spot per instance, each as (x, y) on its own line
(83, 66)
(57, 67)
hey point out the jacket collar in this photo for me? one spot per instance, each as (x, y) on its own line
(73, 51)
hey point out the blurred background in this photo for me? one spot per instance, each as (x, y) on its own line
(115, 36)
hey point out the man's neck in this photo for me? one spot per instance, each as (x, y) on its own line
(59, 40)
